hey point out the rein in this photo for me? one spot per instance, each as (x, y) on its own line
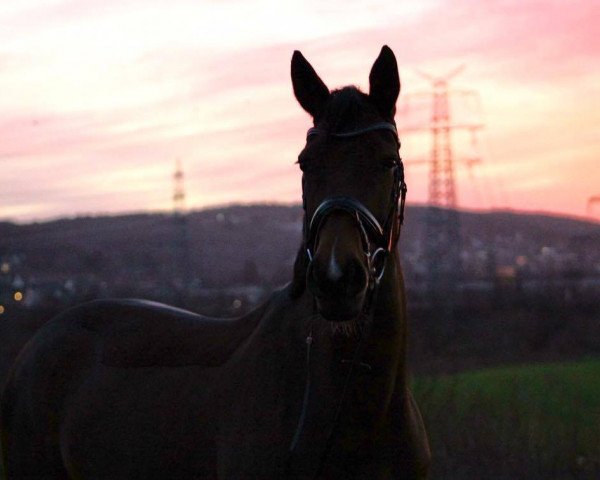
(384, 238)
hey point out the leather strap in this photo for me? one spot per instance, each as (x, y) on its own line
(354, 133)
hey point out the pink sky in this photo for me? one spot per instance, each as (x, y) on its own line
(99, 97)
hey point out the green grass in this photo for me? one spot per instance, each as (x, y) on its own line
(565, 392)
(540, 421)
(527, 422)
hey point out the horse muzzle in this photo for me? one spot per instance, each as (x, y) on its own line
(339, 284)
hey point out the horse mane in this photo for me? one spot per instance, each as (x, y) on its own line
(347, 109)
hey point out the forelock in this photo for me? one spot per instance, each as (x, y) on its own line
(348, 109)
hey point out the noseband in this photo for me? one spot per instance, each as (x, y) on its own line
(377, 240)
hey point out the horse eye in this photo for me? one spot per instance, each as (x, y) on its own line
(389, 162)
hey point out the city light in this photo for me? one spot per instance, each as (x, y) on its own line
(18, 296)
(2, 309)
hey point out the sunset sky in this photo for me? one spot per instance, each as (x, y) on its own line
(98, 98)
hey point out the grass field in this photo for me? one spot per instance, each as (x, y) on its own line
(533, 421)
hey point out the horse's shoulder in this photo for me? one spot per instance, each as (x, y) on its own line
(138, 333)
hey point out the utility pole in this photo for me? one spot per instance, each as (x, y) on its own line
(181, 263)
(178, 190)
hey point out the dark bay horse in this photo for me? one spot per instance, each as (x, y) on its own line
(312, 384)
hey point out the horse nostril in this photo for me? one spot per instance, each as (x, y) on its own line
(334, 279)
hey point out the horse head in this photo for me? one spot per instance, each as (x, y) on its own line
(352, 182)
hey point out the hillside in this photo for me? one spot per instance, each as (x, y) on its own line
(225, 242)
(238, 254)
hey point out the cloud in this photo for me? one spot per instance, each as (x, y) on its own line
(101, 97)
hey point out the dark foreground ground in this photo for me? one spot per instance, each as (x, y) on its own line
(506, 393)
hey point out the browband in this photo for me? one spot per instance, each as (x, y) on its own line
(376, 126)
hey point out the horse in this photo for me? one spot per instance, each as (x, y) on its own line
(311, 384)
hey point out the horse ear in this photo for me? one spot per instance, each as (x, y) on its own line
(384, 83)
(309, 89)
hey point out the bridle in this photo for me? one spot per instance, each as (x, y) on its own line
(378, 242)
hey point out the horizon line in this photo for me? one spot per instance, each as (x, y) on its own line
(218, 206)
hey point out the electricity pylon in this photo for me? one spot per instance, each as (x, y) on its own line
(442, 232)
(182, 273)
(593, 200)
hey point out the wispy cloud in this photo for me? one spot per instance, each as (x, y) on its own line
(100, 97)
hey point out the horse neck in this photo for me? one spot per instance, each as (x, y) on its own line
(386, 347)
(390, 307)
(376, 393)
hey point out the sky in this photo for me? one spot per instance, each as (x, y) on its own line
(99, 98)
